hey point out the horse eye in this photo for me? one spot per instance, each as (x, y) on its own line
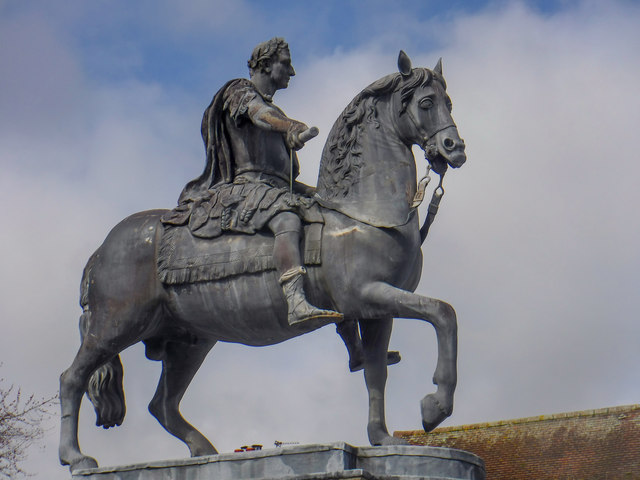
(426, 103)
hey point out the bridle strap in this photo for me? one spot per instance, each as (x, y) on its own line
(426, 136)
(433, 209)
(429, 150)
(425, 143)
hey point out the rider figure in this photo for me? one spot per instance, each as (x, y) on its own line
(251, 158)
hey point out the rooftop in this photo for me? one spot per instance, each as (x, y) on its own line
(589, 444)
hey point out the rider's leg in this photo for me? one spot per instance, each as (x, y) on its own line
(286, 227)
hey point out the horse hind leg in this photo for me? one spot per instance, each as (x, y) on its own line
(73, 384)
(98, 355)
(180, 362)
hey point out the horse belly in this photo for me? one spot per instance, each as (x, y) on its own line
(249, 309)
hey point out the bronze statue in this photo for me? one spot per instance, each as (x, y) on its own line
(171, 280)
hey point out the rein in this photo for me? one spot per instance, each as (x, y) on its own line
(429, 150)
(438, 193)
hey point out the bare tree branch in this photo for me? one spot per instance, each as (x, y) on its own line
(21, 426)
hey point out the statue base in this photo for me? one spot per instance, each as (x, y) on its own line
(308, 462)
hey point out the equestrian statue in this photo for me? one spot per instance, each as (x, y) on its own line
(251, 256)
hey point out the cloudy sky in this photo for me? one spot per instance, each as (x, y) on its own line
(536, 244)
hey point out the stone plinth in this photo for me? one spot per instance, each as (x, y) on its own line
(307, 462)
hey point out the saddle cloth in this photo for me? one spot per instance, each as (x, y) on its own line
(184, 258)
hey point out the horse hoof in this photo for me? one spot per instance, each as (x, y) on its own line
(204, 451)
(393, 357)
(388, 441)
(433, 413)
(83, 463)
(383, 439)
(203, 454)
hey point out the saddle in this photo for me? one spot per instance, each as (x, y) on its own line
(185, 258)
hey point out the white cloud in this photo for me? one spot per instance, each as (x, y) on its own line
(543, 217)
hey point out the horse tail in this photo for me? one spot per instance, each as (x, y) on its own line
(106, 392)
(105, 389)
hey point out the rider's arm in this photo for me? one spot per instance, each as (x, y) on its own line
(243, 102)
(269, 117)
(265, 115)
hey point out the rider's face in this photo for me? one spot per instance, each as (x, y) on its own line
(282, 70)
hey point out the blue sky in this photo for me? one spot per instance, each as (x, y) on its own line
(177, 45)
(535, 245)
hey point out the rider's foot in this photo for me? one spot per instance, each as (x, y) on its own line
(299, 309)
(308, 312)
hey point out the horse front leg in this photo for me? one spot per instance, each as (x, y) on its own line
(395, 302)
(375, 341)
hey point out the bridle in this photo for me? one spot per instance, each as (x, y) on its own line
(430, 150)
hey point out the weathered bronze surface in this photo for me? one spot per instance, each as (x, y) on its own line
(362, 250)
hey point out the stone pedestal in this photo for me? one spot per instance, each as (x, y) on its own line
(308, 462)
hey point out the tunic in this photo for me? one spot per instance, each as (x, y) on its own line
(246, 178)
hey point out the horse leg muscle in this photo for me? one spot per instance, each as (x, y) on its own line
(179, 365)
(375, 339)
(400, 303)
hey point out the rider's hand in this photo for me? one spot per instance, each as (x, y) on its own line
(295, 129)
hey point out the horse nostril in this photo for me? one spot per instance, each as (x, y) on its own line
(449, 144)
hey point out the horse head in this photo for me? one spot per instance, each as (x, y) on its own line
(367, 170)
(425, 115)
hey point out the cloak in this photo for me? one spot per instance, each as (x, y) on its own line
(219, 164)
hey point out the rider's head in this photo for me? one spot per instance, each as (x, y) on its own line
(270, 66)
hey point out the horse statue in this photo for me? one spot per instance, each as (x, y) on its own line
(366, 186)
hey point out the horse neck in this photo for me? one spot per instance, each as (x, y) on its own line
(379, 183)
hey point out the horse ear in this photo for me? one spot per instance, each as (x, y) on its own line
(404, 64)
(438, 67)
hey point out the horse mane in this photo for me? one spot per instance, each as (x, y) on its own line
(342, 155)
